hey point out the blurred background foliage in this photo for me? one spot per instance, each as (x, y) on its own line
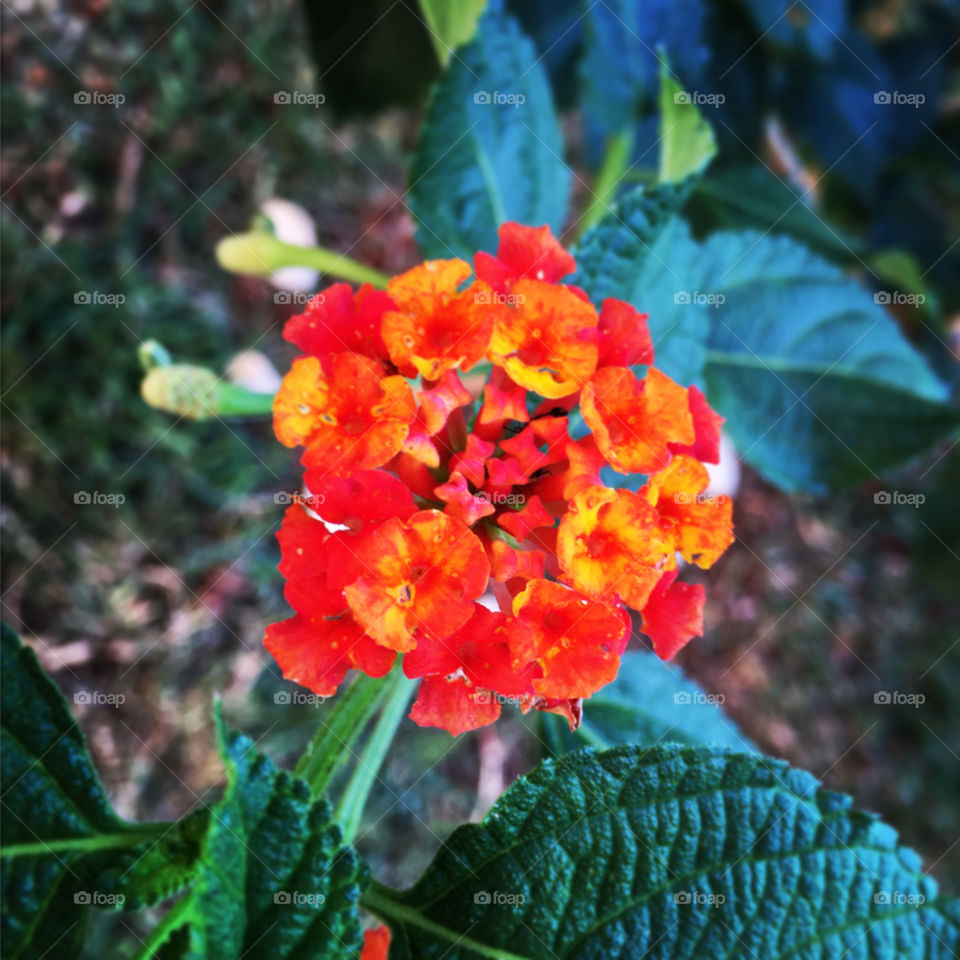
(823, 601)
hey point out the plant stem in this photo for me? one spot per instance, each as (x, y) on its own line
(333, 742)
(234, 401)
(614, 167)
(398, 692)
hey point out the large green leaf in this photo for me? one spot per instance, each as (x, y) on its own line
(671, 853)
(490, 148)
(642, 252)
(59, 829)
(649, 703)
(274, 880)
(817, 383)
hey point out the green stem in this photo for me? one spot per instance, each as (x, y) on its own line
(379, 900)
(612, 171)
(234, 401)
(333, 742)
(397, 696)
(100, 841)
(260, 253)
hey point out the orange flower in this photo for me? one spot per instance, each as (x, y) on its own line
(453, 704)
(420, 577)
(610, 545)
(699, 527)
(376, 943)
(548, 342)
(576, 642)
(524, 252)
(673, 615)
(434, 328)
(355, 418)
(633, 421)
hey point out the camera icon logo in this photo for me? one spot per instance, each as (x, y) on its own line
(682, 897)
(82, 897)
(681, 697)
(82, 497)
(282, 96)
(882, 297)
(882, 497)
(681, 297)
(483, 897)
(282, 697)
(881, 96)
(81, 697)
(281, 897)
(681, 96)
(481, 96)
(283, 498)
(82, 96)
(82, 296)
(882, 696)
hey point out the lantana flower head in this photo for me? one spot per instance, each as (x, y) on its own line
(460, 519)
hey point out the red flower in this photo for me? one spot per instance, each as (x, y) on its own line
(376, 943)
(449, 492)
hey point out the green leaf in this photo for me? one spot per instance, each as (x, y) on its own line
(451, 24)
(642, 252)
(671, 853)
(687, 143)
(818, 386)
(650, 702)
(59, 829)
(274, 880)
(490, 148)
(817, 383)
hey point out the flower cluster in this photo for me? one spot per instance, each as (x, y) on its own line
(463, 523)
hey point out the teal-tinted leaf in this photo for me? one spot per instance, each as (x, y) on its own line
(671, 853)
(619, 72)
(650, 702)
(59, 829)
(642, 252)
(450, 24)
(818, 385)
(490, 148)
(274, 881)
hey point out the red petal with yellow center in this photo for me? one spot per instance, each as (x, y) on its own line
(610, 545)
(673, 615)
(699, 526)
(706, 427)
(353, 419)
(338, 320)
(577, 642)
(453, 705)
(434, 328)
(548, 342)
(633, 421)
(624, 339)
(420, 576)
